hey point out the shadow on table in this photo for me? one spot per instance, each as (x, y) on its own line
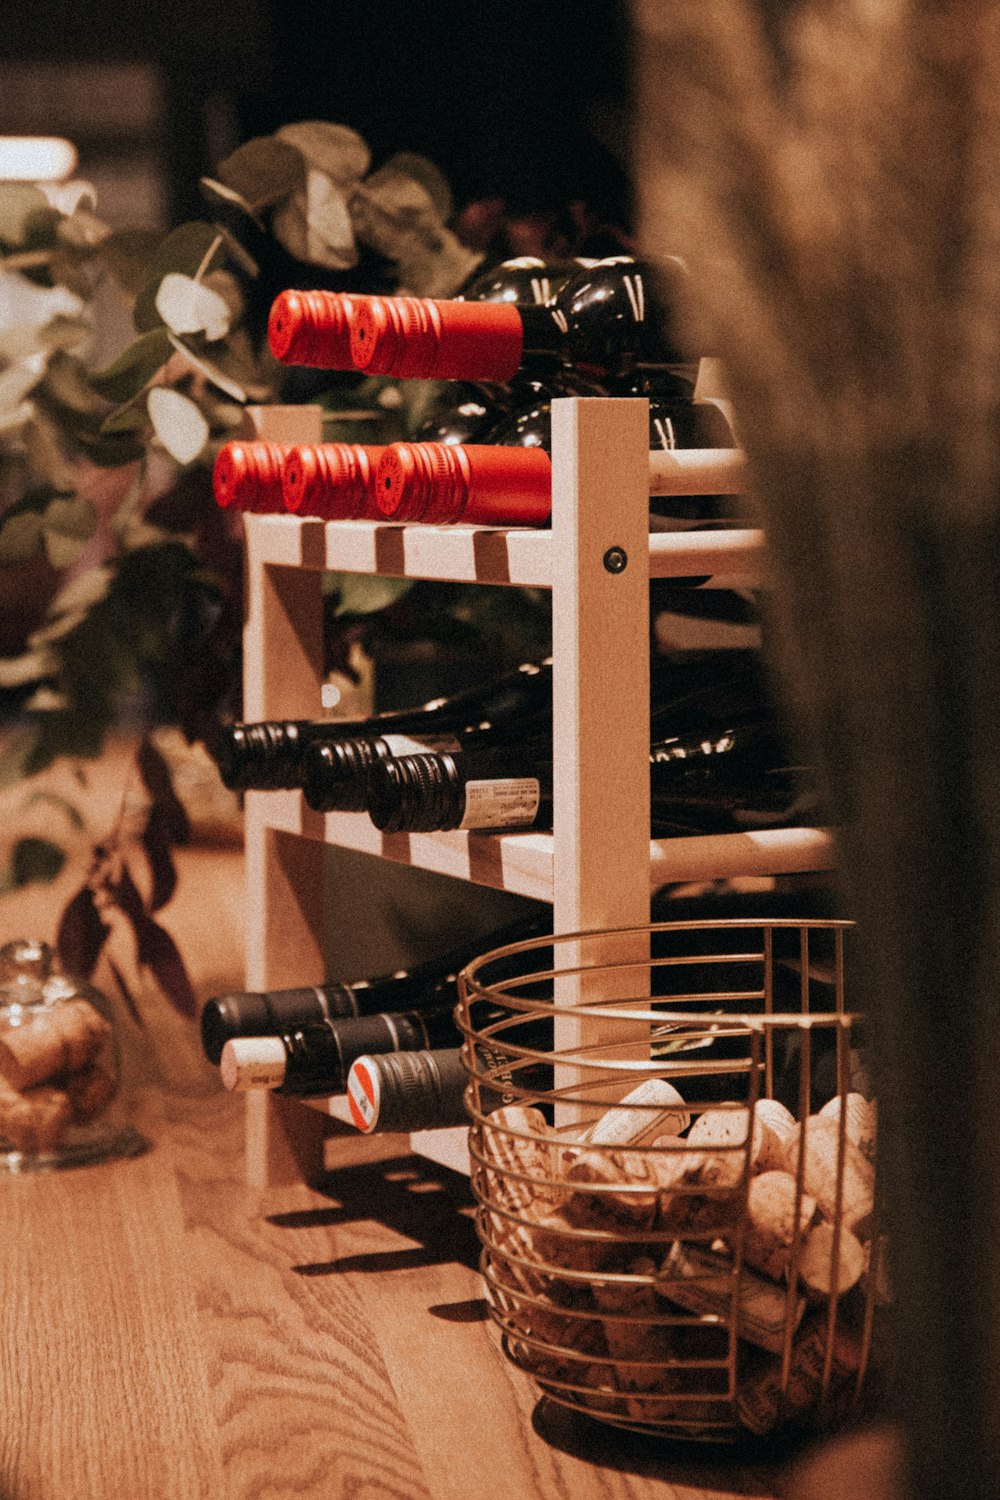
(410, 1195)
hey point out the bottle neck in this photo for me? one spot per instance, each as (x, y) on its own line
(426, 1090)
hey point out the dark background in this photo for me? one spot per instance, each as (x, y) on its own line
(526, 100)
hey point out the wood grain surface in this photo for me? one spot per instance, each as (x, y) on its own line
(169, 1333)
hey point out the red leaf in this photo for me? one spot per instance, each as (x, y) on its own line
(157, 846)
(169, 810)
(82, 933)
(126, 993)
(158, 951)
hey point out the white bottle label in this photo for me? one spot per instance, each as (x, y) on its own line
(510, 803)
(406, 744)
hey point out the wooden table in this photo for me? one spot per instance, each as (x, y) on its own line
(169, 1334)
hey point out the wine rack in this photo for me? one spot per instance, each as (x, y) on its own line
(599, 865)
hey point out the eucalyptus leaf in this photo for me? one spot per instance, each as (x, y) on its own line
(327, 147)
(210, 370)
(36, 861)
(128, 254)
(132, 417)
(67, 383)
(262, 172)
(112, 450)
(20, 537)
(19, 379)
(70, 197)
(430, 177)
(74, 516)
(30, 666)
(178, 422)
(18, 201)
(394, 215)
(45, 700)
(135, 368)
(60, 333)
(23, 304)
(183, 251)
(62, 550)
(82, 231)
(314, 225)
(84, 590)
(17, 417)
(188, 306)
(366, 594)
(43, 441)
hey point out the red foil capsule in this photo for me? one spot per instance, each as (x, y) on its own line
(312, 328)
(335, 481)
(419, 338)
(247, 476)
(480, 485)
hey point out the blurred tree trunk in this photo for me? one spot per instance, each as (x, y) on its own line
(831, 172)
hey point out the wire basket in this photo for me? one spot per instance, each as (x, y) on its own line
(673, 1153)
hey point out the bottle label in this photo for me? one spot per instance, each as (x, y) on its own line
(363, 1096)
(510, 803)
(407, 744)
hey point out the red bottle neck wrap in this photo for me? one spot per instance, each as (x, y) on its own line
(422, 339)
(247, 476)
(335, 481)
(312, 328)
(476, 485)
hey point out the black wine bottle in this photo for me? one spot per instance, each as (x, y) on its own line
(410, 1091)
(504, 476)
(606, 320)
(695, 687)
(711, 781)
(427, 986)
(314, 1060)
(267, 756)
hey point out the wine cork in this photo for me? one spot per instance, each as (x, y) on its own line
(861, 1122)
(777, 1124)
(819, 1138)
(652, 1109)
(702, 1281)
(733, 1142)
(774, 1216)
(60, 1039)
(830, 1264)
(89, 1090)
(506, 1153)
(33, 1122)
(620, 1189)
(760, 1402)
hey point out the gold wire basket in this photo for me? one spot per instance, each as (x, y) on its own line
(673, 1153)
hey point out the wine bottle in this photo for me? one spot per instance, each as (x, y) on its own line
(526, 280)
(409, 1091)
(246, 476)
(691, 688)
(334, 481)
(313, 327)
(604, 321)
(708, 782)
(314, 1060)
(506, 478)
(267, 756)
(430, 986)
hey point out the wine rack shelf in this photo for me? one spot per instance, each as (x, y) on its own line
(599, 865)
(525, 862)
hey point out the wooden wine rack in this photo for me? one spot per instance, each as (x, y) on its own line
(598, 866)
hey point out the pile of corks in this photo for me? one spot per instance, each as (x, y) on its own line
(55, 1073)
